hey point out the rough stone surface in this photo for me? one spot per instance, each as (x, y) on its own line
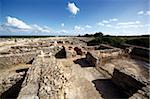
(52, 80)
(8, 80)
(78, 51)
(7, 60)
(91, 59)
(30, 85)
(44, 80)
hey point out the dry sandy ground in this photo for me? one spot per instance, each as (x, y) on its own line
(98, 80)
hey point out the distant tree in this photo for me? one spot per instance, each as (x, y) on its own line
(87, 35)
(98, 34)
(79, 35)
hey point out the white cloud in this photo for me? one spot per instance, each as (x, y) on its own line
(16, 23)
(136, 24)
(62, 24)
(100, 24)
(73, 8)
(128, 23)
(105, 21)
(78, 28)
(147, 25)
(113, 20)
(108, 25)
(146, 13)
(62, 32)
(37, 28)
(141, 12)
(88, 26)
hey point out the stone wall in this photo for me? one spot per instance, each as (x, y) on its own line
(138, 52)
(105, 51)
(25, 57)
(98, 58)
(93, 60)
(131, 85)
(12, 59)
(141, 52)
(44, 80)
(52, 80)
(30, 85)
(61, 53)
(128, 83)
(112, 53)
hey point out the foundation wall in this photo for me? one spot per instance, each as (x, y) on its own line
(12, 59)
(126, 82)
(27, 57)
(91, 59)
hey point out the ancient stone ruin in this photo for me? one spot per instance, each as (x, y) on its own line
(66, 68)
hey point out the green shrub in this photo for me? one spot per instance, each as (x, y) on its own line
(114, 41)
(139, 42)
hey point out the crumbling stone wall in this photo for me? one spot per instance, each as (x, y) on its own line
(92, 59)
(113, 53)
(137, 51)
(78, 51)
(12, 59)
(61, 53)
(128, 83)
(25, 57)
(30, 85)
(141, 52)
(106, 51)
(44, 80)
(52, 80)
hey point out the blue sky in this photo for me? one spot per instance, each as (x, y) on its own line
(73, 17)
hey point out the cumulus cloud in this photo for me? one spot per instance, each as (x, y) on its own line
(128, 23)
(110, 20)
(88, 26)
(146, 13)
(108, 25)
(63, 32)
(100, 24)
(131, 24)
(62, 24)
(78, 28)
(113, 20)
(37, 28)
(141, 12)
(73, 8)
(13, 24)
(16, 23)
(105, 21)
(134, 24)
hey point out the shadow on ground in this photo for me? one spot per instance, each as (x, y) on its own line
(108, 89)
(13, 92)
(83, 62)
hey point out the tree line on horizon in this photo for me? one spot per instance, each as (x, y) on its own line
(117, 41)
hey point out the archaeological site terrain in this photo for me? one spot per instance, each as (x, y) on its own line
(70, 68)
